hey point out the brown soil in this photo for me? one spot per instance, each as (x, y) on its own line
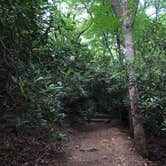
(101, 144)
(94, 144)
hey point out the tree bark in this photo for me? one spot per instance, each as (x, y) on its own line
(119, 52)
(121, 8)
(137, 125)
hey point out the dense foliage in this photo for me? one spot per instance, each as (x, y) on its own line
(47, 70)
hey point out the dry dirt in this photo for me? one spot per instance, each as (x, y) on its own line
(100, 144)
(94, 144)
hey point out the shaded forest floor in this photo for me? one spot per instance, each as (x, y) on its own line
(94, 144)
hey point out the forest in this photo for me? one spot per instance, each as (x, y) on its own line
(82, 82)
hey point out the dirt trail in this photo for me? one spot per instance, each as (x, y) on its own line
(99, 145)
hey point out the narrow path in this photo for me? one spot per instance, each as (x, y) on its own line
(100, 145)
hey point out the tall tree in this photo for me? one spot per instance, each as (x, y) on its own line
(125, 10)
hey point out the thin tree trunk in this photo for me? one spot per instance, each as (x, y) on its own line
(119, 52)
(137, 125)
(105, 35)
(122, 9)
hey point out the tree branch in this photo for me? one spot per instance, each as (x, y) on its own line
(117, 8)
(90, 24)
(107, 46)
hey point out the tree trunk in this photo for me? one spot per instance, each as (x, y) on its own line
(122, 10)
(137, 125)
(119, 53)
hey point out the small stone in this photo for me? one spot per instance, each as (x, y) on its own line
(25, 164)
(77, 146)
(70, 131)
(75, 157)
(89, 150)
(92, 149)
(105, 140)
(130, 149)
(82, 150)
(105, 157)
